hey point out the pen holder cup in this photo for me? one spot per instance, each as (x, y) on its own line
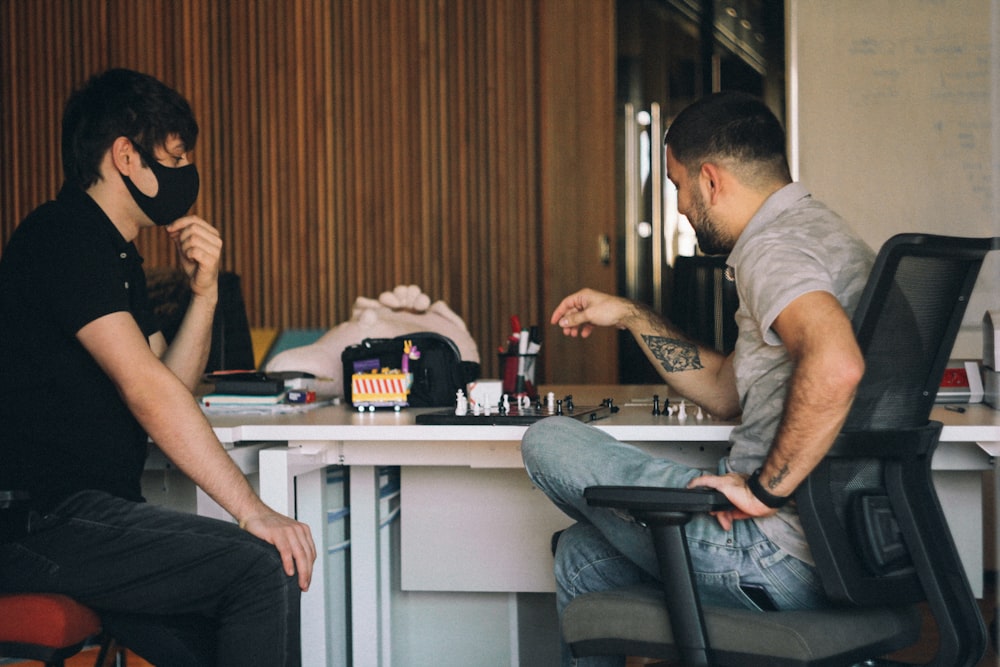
(517, 374)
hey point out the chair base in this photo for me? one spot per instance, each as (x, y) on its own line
(110, 655)
(52, 657)
(618, 622)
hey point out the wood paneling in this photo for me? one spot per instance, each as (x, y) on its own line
(577, 63)
(347, 146)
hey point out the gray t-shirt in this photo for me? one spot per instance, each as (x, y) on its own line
(792, 246)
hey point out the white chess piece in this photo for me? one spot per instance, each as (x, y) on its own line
(682, 411)
(461, 403)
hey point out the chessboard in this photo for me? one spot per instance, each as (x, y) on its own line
(514, 415)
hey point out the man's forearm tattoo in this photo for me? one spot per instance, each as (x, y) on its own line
(674, 354)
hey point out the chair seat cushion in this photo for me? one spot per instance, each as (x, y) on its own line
(45, 619)
(605, 622)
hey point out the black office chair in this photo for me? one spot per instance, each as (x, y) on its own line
(870, 511)
(232, 345)
(703, 301)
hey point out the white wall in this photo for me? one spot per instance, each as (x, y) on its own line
(893, 121)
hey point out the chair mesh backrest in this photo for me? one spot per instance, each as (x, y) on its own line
(906, 325)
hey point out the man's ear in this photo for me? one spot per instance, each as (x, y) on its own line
(710, 182)
(124, 156)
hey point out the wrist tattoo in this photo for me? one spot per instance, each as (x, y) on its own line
(674, 354)
(777, 479)
(762, 494)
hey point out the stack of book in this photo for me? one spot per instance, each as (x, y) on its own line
(252, 388)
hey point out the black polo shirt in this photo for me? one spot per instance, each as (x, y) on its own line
(63, 426)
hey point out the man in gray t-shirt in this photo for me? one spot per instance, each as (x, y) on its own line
(799, 272)
(791, 247)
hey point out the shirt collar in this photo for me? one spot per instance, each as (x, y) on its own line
(780, 200)
(77, 199)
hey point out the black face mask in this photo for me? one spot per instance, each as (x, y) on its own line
(176, 194)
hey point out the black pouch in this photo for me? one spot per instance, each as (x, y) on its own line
(437, 375)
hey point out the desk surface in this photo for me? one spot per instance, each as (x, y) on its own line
(480, 460)
(634, 422)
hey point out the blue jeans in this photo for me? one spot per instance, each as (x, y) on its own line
(178, 589)
(607, 549)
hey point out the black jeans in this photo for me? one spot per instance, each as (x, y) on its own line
(178, 589)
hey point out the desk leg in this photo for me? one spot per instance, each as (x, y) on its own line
(366, 627)
(292, 483)
(277, 481)
(310, 504)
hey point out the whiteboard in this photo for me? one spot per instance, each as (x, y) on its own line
(893, 112)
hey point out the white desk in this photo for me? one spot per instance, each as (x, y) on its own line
(471, 519)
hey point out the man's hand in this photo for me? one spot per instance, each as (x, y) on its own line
(199, 248)
(579, 313)
(734, 487)
(291, 538)
(697, 373)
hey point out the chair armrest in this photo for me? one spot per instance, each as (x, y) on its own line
(657, 499)
(665, 511)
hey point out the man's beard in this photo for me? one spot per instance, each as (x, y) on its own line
(712, 239)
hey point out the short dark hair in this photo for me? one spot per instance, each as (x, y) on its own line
(731, 126)
(116, 103)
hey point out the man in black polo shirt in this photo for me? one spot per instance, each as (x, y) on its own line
(85, 377)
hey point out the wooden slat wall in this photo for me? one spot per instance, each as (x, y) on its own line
(577, 137)
(347, 145)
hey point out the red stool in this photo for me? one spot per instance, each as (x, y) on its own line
(46, 627)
